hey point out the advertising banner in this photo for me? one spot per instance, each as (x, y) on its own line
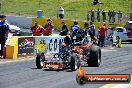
(26, 46)
(48, 44)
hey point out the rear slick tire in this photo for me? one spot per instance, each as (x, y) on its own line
(94, 57)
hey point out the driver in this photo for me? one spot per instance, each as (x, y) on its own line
(67, 42)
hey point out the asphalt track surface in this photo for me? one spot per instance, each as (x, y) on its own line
(25, 75)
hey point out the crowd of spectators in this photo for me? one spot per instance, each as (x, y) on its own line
(97, 15)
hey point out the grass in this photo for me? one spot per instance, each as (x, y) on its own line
(79, 7)
(25, 34)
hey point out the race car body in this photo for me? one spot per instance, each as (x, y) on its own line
(66, 59)
(53, 64)
(71, 58)
(89, 54)
(73, 54)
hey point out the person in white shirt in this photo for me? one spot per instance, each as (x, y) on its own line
(61, 13)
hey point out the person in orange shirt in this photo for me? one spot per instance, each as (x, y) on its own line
(102, 34)
(48, 28)
(36, 29)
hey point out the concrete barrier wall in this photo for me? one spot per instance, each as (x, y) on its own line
(30, 45)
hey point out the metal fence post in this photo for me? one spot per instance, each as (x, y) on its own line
(0, 6)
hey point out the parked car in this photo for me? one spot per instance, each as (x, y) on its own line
(128, 24)
(124, 34)
(14, 29)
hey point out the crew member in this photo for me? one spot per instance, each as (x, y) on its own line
(102, 34)
(48, 28)
(36, 29)
(92, 31)
(74, 28)
(4, 28)
(64, 30)
(119, 45)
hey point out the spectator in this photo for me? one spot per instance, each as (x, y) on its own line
(102, 34)
(92, 31)
(113, 16)
(61, 13)
(4, 28)
(119, 16)
(64, 30)
(109, 15)
(36, 29)
(88, 16)
(48, 28)
(98, 15)
(92, 15)
(86, 27)
(104, 15)
(95, 2)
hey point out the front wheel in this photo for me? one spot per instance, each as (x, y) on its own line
(74, 63)
(39, 62)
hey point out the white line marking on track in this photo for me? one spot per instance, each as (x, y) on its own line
(107, 50)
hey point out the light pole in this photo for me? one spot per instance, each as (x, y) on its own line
(0, 5)
(39, 4)
(58, 8)
(130, 12)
